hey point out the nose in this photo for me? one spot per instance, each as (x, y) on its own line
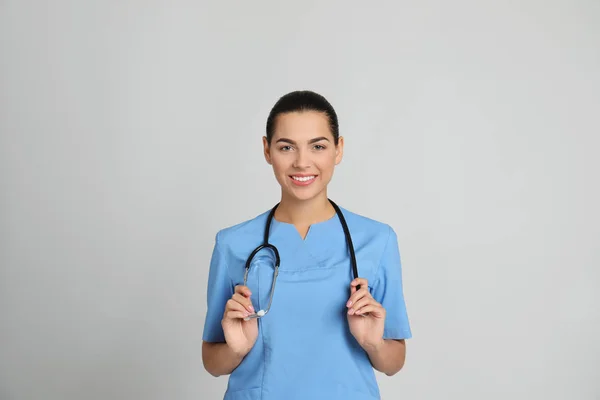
(302, 159)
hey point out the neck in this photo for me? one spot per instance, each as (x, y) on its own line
(304, 212)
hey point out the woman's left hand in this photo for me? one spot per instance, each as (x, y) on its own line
(366, 317)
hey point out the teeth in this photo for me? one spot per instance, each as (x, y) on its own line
(303, 178)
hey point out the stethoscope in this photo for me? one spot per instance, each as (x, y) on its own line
(267, 245)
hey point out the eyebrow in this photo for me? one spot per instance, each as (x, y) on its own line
(311, 141)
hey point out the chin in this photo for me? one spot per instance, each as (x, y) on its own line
(304, 195)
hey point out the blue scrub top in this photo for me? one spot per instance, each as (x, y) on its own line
(304, 348)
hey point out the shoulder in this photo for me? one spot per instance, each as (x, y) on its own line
(363, 225)
(375, 242)
(242, 232)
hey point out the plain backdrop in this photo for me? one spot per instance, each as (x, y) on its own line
(131, 133)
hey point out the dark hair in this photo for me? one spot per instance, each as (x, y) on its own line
(303, 100)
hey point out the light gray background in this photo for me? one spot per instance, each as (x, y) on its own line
(131, 132)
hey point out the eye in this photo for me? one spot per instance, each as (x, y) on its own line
(319, 147)
(285, 148)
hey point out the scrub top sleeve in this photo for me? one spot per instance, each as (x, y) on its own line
(387, 289)
(220, 289)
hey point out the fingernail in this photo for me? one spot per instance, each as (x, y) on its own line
(351, 311)
(251, 309)
(349, 303)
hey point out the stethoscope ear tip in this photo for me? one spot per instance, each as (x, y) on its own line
(261, 313)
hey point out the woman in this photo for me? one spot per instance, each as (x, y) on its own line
(326, 330)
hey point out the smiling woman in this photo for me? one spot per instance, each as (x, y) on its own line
(324, 331)
(303, 150)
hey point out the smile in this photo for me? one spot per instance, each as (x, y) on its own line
(304, 180)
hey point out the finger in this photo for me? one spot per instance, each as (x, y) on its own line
(236, 314)
(358, 304)
(357, 295)
(359, 283)
(244, 301)
(233, 305)
(374, 309)
(243, 290)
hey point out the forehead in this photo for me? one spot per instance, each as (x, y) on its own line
(303, 125)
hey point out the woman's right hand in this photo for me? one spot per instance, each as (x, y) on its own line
(240, 335)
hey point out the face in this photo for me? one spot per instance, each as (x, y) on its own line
(303, 154)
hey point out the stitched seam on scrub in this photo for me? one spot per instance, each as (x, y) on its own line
(262, 335)
(383, 252)
(221, 256)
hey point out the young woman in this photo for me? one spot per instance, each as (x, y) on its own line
(324, 326)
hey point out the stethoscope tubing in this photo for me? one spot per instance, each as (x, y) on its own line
(267, 245)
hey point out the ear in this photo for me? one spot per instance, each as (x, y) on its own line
(266, 150)
(339, 150)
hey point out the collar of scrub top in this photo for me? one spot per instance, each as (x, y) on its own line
(267, 245)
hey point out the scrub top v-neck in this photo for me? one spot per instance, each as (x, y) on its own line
(305, 349)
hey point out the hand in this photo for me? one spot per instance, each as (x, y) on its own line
(240, 335)
(366, 317)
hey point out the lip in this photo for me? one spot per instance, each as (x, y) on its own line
(298, 183)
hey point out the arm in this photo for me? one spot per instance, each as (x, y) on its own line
(219, 359)
(226, 337)
(388, 356)
(366, 318)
